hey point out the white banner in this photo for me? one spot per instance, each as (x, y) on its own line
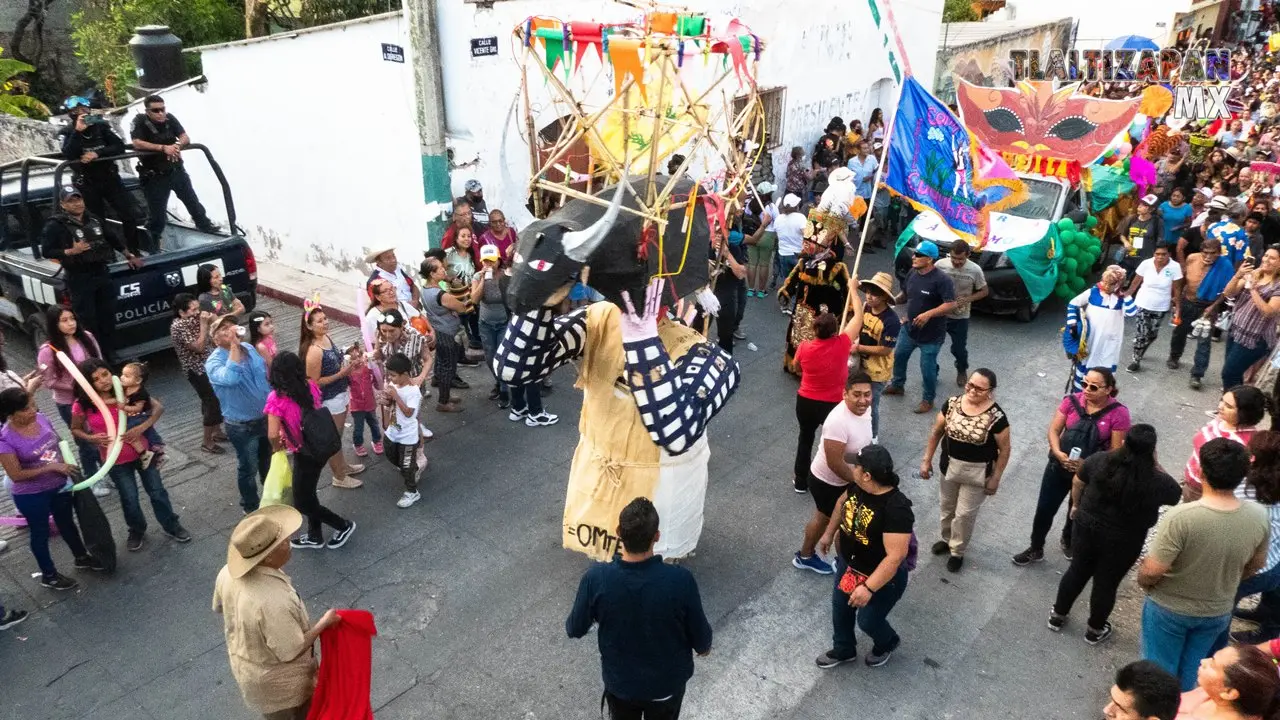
(1005, 232)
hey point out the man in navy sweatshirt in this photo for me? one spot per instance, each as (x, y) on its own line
(651, 622)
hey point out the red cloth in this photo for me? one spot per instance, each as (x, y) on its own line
(824, 367)
(346, 660)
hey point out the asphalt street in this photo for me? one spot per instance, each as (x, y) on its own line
(470, 587)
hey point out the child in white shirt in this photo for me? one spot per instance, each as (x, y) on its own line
(403, 436)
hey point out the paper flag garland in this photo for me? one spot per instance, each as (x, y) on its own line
(624, 54)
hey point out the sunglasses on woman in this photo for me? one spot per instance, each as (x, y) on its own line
(1093, 387)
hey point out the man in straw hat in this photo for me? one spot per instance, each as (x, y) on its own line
(880, 328)
(269, 635)
(386, 266)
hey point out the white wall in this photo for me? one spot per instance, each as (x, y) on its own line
(316, 135)
(828, 57)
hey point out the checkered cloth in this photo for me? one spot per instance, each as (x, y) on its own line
(538, 342)
(677, 400)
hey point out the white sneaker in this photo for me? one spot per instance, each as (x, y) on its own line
(408, 499)
(4, 545)
(542, 419)
(101, 490)
(426, 432)
(516, 415)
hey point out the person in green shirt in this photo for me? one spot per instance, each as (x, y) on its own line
(1201, 551)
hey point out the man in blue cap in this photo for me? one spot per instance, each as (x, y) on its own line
(930, 295)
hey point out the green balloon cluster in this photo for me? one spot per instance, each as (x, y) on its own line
(1080, 252)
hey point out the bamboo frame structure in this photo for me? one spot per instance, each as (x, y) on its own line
(716, 137)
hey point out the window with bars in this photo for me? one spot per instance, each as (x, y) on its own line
(774, 101)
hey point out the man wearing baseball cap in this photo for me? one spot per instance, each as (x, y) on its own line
(930, 295)
(473, 193)
(76, 239)
(1139, 234)
(269, 636)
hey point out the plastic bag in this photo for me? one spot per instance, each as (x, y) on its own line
(278, 487)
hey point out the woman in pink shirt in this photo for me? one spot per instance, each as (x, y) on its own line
(290, 390)
(88, 425)
(65, 333)
(501, 235)
(1239, 412)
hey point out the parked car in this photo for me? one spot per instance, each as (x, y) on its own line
(30, 283)
(1050, 199)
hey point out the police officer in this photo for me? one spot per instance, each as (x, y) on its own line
(75, 239)
(157, 131)
(90, 138)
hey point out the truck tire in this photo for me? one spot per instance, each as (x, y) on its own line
(34, 327)
(1027, 313)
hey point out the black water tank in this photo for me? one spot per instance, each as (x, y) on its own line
(157, 54)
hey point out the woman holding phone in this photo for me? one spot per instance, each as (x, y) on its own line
(327, 367)
(1253, 322)
(874, 520)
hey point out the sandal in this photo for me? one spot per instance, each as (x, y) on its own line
(213, 449)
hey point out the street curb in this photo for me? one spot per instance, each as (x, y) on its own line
(343, 316)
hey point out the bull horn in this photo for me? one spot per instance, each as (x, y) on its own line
(579, 245)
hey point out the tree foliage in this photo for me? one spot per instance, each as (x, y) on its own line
(14, 99)
(959, 11)
(323, 12)
(102, 28)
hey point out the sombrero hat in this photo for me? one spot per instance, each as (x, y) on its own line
(257, 534)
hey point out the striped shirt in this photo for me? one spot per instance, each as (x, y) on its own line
(1245, 491)
(409, 345)
(1249, 325)
(1214, 429)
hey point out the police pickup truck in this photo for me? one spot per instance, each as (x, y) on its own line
(30, 283)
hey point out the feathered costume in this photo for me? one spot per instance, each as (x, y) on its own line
(820, 280)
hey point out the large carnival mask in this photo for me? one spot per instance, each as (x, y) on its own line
(1034, 119)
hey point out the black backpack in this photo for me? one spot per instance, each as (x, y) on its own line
(320, 438)
(1084, 433)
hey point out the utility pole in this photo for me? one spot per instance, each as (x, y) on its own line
(428, 84)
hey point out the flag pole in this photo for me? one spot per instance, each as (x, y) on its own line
(875, 187)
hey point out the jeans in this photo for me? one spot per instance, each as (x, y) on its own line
(1238, 360)
(306, 476)
(157, 188)
(527, 398)
(1055, 486)
(786, 263)
(1178, 643)
(89, 458)
(471, 321)
(873, 618)
(620, 709)
(361, 418)
(253, 454)
(36, 508)
(928, 364)
(958, 331)
(1188, 311)
(1104, 557)
(732, 294)
(126, 476)
(490, 337)
(1266, 583)
(877, 389)
(811, 414)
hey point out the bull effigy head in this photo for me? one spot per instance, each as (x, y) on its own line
(622, 253)
(1034, 119)
(551, 253)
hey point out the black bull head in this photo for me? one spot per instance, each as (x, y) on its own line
(552, 252)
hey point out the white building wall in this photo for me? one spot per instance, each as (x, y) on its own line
(1101, 21)
(317, 138)
(316, 132)
(829, 58)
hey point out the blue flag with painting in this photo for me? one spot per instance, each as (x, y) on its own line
(936, 164)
